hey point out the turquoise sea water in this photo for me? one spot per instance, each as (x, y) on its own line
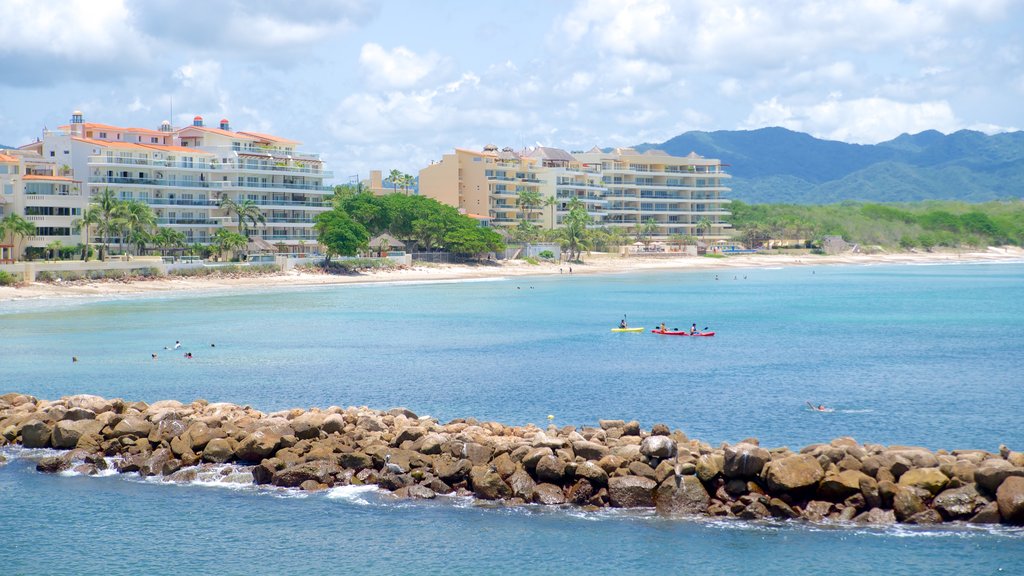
(924, 355)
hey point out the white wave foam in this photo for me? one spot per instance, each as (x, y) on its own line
(353, 494)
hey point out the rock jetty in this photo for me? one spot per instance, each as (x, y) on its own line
(613, 464)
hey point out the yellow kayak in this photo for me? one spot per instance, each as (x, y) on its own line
(627, 329)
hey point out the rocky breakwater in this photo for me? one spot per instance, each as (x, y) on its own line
(613, 464)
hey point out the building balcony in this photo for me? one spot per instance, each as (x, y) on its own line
(187, 222)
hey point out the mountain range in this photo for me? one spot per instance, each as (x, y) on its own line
(777, 165)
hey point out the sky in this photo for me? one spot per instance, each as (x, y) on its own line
(394, 84)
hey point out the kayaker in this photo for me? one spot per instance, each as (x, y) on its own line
(622, 323)
(693, 328)
(662, 326)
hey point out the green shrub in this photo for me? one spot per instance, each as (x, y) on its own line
(547, 255)
(714, 255)
(532, 260)
(7, 279)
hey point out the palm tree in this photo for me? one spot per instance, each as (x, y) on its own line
(91, 217)
(703, 226)
(168, 238)
(247, 212)
(54, 249)
(529, 200)
(107, 204)
(396, 178)
(225, 240)
(18, 227)
(550, 202)
(137, 219)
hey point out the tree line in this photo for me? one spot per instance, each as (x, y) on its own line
(356, 216)
(905, 225)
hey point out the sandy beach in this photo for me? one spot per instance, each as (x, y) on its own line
(592, 264)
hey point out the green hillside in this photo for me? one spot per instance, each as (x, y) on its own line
(772, 165)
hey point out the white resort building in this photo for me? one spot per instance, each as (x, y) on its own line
(621, 188)
(185, 173)
(35, 188)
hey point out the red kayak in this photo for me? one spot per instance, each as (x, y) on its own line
(680, 333)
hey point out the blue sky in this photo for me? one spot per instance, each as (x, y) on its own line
(395, 84)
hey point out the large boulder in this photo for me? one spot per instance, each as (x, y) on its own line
(589, 450)
(488, 485)
(908, 501)
(522, 485)
(709, 466)
(682, 495)
(307, 425)
(533, 456)
(991, 473)
(930, 479)
(548, 494)
(166, 430)
(451, 470)
(631, 492)
(355, 461)
(66, 433)
(956, 503)
(744, 460)
(839, 487)
(592, 473)
(257, 446)
(550, 469)
(218, 451)
(1010, 499)
(294, 476)
(35, 434)
(134, 426)
(79, 414)
(52, 464)
(658, 447)
(793, 473)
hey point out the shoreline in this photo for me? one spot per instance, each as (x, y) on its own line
(593, 264)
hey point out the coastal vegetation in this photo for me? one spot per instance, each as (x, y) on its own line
(913, 225)
(416, 220)
(131, 222)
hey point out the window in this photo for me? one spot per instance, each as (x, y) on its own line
(52, 153)
(154, 140)
(103, 134)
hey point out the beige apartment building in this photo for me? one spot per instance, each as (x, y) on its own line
(33, 187)
(622, 188)
(185, 173)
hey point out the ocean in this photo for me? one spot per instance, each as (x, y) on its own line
(911, 355)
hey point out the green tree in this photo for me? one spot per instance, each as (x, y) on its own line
(225, 240)
(137, 220)
(340, 234)
(473, 241)
(703, 226)
(167, 238)
(529, 201)
(106, 204)
(551, 203)
(247, 213)
(18, 228)
(91, 217)
(647, 230)
(395, 176)
(575, 228)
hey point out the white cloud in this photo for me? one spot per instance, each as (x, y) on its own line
(398, 68)
(730, 87)
(860, 120)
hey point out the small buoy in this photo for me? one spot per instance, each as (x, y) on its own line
(551, 416)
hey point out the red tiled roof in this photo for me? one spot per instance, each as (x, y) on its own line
(42, 177)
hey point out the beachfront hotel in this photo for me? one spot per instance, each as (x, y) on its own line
(621, 188)
(38, 190)
(183, 174)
